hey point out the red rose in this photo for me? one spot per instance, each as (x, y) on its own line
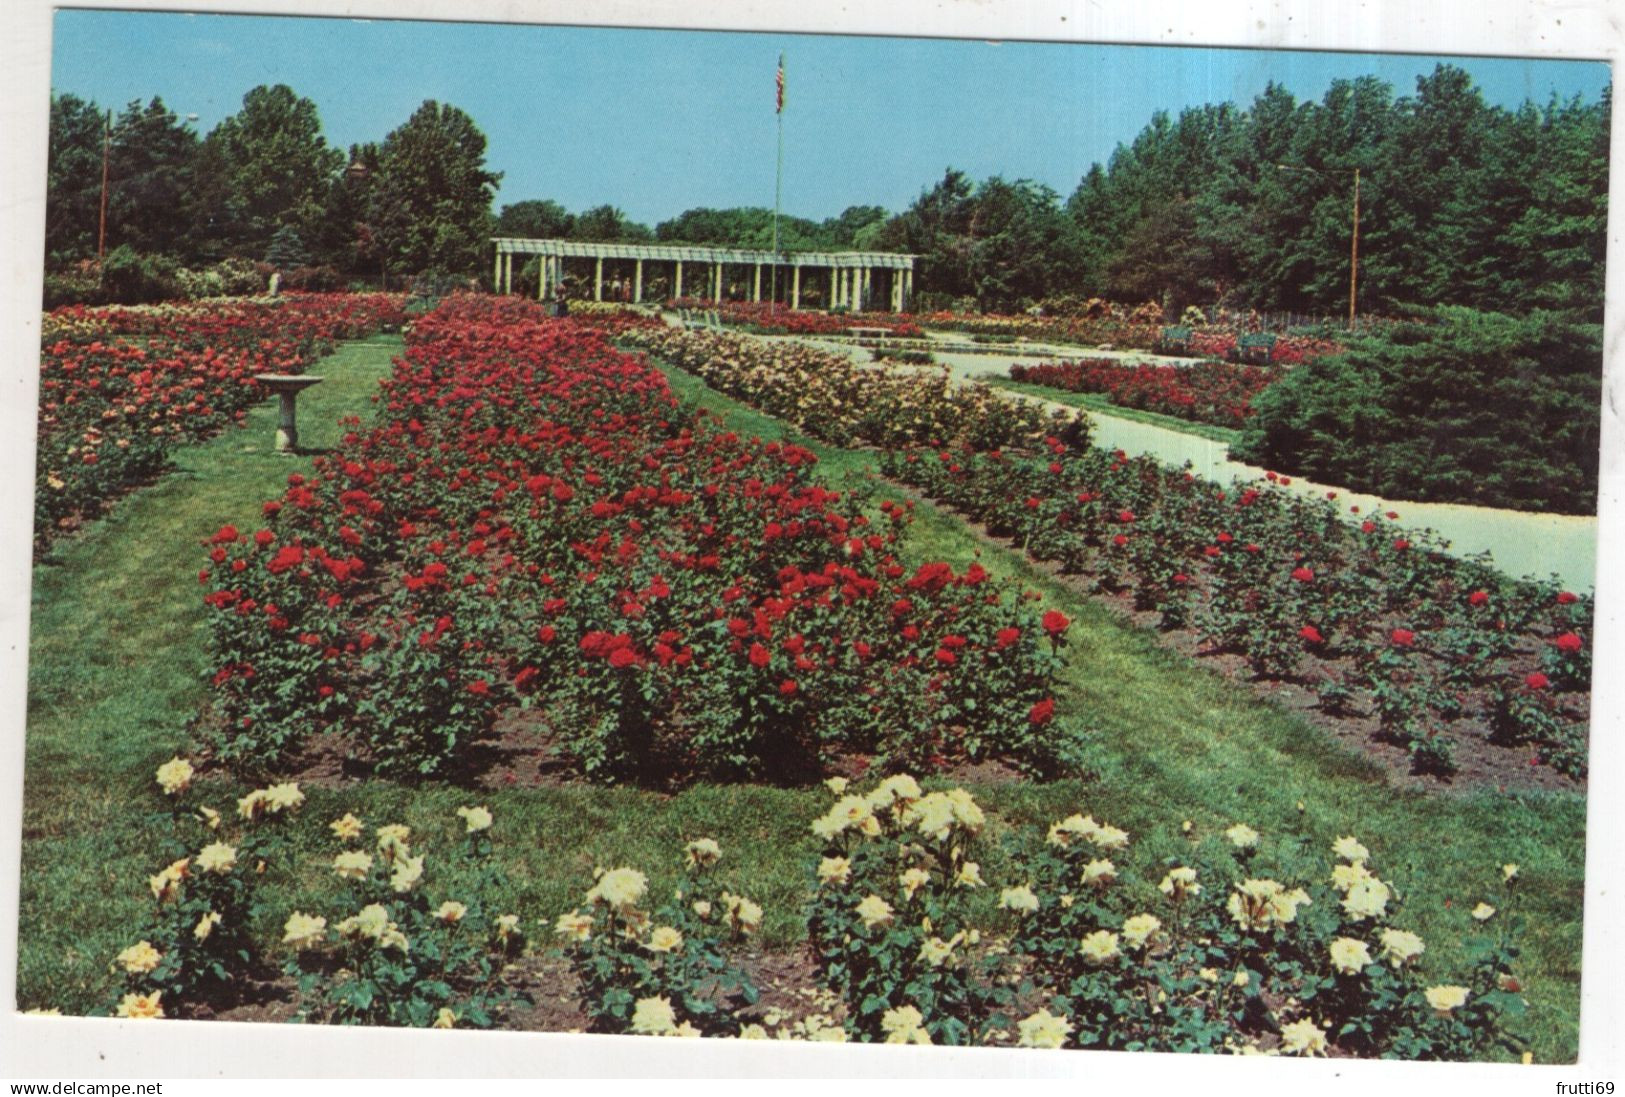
(1041, 712)
(1303, 575)
(622, 657)
(787, 688)
(1005, 637)
(1311, 635)
(1537, 680)
(1564, 598)
(759, 656)
(1400, 544)
(1478, 597)
(1056, 622)
(1403, 637)
(946, 657)
(1569, 642)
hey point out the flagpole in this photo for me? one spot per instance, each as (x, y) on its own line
(778, 189)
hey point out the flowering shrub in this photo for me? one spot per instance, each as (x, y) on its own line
(889, 922)
(831, 397)
(196, 940)
(532, 522)
(1227, 946)
(769, 319)
(400, 958)
(1097, 322)
(661, 972)
(1427, 641)
(120, 387)
(1208, 392)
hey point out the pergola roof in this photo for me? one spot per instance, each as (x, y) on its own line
(692, 254)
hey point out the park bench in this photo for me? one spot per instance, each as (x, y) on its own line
(861, 333)
(1174, 341)
(1255, 348)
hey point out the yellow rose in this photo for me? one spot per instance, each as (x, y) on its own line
(1043, 1030)
(1303, 1038)
(1099, 946)
(475, 819)
(304, 931)
(654, 1017)
(574, 926)
(1350, 849)
(217, 857)
(353, 865)
(140, 1007)
(1446, 998)
(874, 911)
(1139, 930)
(205, 926)
(665, 939)
(174, 776)
(1242, 836)
(1399, 946)
(703, 853)
(619, 887)
(912, 880)
(1179, 883)
(834, 870)
(444, 1019)
(347, 828)
(1099, 873)
(904, 1025)
(140, 958)
(408, 871)
(1349, 956)
(451, 912)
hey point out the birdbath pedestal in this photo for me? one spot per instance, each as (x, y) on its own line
(287, 387)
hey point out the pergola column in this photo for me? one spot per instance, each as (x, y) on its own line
(677, 281)
(507, 273)
(718, 295)
(496, 274)
(908, 289)
(867, 290)
(542, 264)
(598, 279)
(637, 282)
(795, 288)
(756, 288)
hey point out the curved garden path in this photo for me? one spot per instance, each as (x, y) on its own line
(1520, 543)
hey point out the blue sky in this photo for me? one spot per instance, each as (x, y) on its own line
(656, 122)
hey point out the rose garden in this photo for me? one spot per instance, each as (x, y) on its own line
(595, 674)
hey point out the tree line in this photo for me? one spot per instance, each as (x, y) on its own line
(1460, 202)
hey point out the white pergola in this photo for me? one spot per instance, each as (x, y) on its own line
(854, 276)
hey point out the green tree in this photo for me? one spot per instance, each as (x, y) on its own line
(535, 220)
(274, 168)
(608, 224)
(152, 167)
(73, 179)
(429, 200)
(286, 250)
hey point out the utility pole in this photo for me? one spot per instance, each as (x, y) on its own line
(101, 228)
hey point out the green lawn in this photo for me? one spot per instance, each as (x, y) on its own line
(1101, 404)
(118, 665)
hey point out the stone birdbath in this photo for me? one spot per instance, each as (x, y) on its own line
(287, 387)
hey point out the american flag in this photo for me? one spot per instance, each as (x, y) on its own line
(779, 84)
